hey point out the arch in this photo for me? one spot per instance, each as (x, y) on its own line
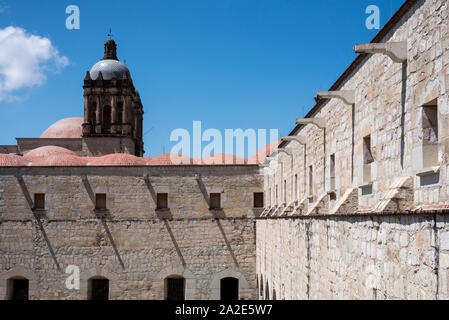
(86, 278)
(174, 288)
(229, 289)
(173, 272)
(215, 287)
(17, 273)
(17, 288)
(98, 288)
(119, 112)
(107, 119)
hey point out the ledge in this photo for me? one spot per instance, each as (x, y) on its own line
(366, 185)
(39, 212)
(428, 171)
(101, 213)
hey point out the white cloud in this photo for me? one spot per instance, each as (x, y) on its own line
(24, 60)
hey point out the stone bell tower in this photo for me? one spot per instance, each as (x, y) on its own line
(113, 111)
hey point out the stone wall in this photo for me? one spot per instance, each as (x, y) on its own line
(134, 245)
(354, 257)
(372, 234)
(389, 100)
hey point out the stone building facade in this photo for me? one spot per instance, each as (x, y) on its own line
(83, 215)
(357, 193)
(353, 204)
(131, 243)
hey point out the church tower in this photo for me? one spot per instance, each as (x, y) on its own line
(113, 111)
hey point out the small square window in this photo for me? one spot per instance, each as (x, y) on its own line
(162, 200)
(215, 201)
(100, 201)
(258, 200)
(39, 201)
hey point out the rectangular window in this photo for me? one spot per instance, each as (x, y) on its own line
(430, 135)
(310, 181)
(367, 152)
(285, 191)
(215, 201)
(332, 172)
(39, 201)
(162, 200)
(296, 187)
(100, 201)
(258, 199)
(276, 195)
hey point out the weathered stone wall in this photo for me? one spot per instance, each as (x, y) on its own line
(388, 106)
(312, 246)
(135, 246)
(98, 146)
(354, 257)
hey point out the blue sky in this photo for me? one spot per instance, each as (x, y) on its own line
(229, 63)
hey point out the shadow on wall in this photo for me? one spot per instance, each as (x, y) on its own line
(30, 202)
(105, 225)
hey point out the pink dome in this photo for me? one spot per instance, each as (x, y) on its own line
(223, 159)
(60, 160)
(262, 153)
(117, 159)
(47, 151)
(169, 159)
(69, 128)
(11, 160)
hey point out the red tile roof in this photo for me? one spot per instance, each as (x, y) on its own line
(117, 159)
(11, 160)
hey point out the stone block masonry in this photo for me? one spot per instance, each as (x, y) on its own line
(354, 257)
(360, 210)
(133, 244)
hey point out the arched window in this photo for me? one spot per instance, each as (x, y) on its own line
(229, 289)
(17, 288)
(120, 112)
(106, 119)
(98, 288)
(175, 288)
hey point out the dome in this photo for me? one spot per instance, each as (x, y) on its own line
(223, 159)
(169, 159)
(108, 68)
(47, 151)
(118, 159)
(59, 160)
(69, 128)
(264, 152)
(11, 160)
